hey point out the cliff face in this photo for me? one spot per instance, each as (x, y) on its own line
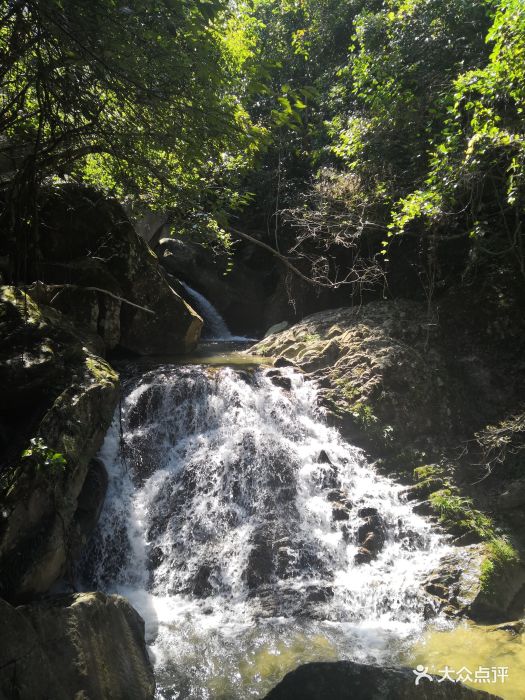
(89, 246)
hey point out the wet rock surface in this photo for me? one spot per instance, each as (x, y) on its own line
(240, 296)
(346, 680)
(371, 535)
(459, 589)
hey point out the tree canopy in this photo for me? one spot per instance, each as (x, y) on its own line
(332, 130)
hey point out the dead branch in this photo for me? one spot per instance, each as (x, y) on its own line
(102, 291)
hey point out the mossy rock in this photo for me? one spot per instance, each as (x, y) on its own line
(61, 398)
(485, 582)
(382, 381)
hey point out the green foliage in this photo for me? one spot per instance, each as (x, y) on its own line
(455, 511)
(458, 511)
(403, 56)
(339, 127)
(144, 101)
(475, 178)
(43, 459)
(501, 557)
(363, 414)
(310, 337)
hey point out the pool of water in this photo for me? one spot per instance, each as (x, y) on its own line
(487, 658)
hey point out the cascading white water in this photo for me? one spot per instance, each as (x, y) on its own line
(233, 520)
(215, 327)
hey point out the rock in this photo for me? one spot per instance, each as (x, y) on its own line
(516, 627)
(279, 379)
(93, 312)
(329, 478)
(346, 680)
(202, 587)
(155, 558)
(339, 513)
(371, 535)
(64, 397)
(283, 362)
(367, 512)
(87, 645)
(89, 506)
(514, 497)
(276, 328)
(382, 382)
(260, 566)
(424, 508)
(323, 458)
(458, 584)
(363, 556)
(319, 594)
(89, 239)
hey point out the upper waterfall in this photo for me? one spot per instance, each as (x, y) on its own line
(231, 500)
(215, 327)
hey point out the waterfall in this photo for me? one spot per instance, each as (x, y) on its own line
(235, 522)
(215, 327)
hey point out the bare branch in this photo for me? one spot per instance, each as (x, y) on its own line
(102, 291)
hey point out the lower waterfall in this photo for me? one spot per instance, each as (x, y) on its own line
(237, 521)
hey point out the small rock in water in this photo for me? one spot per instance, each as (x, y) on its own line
(155, 558)
(279, 380)
(424, 508)
(319, 594)
(371, 535)
(202, 587)
(340, 513)
(324, 458)
(363, 556)
(283, 362)
(367, 512)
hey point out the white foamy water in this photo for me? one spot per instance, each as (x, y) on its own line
(232, 523)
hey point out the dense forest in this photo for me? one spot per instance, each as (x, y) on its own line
(262, 349)
(353, 137)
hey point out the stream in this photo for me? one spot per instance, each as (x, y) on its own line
(233, 523)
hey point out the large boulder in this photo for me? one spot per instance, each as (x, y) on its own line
(113, 281)
(378, 367)
(346, 680)
(471, 582)
(87, 645)
(58, 402)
